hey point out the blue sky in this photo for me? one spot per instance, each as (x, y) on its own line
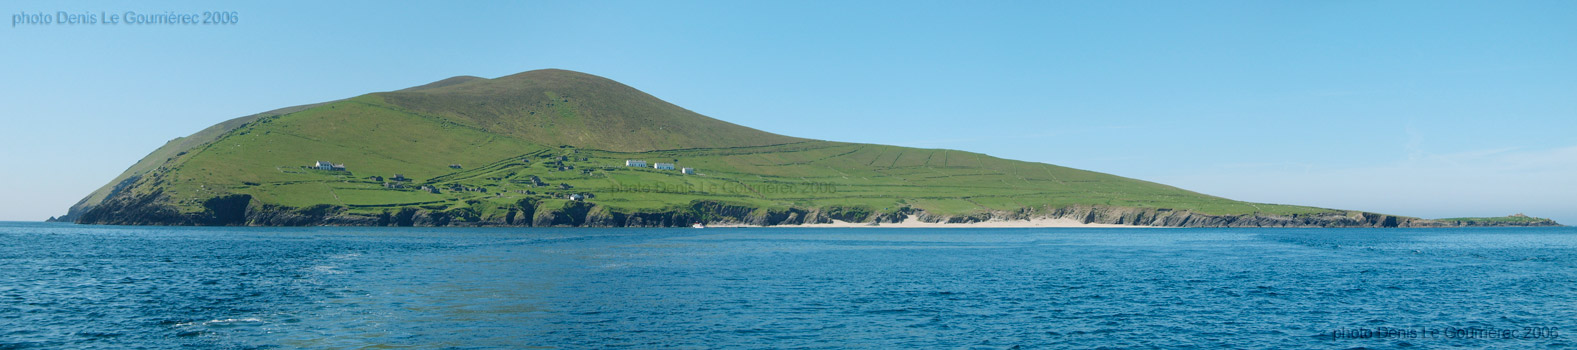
(1419, 108)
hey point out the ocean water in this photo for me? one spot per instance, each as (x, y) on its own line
(97, 287)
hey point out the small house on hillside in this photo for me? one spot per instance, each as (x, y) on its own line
(576, 197)
(325, 165)
(399, 177)
(664, 166)
(635, 163)
(687, 171)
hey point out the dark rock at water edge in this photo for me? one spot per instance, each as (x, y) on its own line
(242, 210)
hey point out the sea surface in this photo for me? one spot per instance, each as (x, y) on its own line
(109, 287)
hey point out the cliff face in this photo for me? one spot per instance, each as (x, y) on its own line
(241, 210)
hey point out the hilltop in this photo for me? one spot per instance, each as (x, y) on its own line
(551, 148)
(559, 107)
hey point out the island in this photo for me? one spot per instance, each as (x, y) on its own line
(557, 148)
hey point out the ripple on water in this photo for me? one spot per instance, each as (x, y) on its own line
(66, 286)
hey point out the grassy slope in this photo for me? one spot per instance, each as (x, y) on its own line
(556, 107)
(176, 147)
(267, 159)
(505, 130)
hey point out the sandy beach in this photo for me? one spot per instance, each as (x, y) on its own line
(912, 222)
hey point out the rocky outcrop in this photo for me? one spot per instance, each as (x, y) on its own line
(1182, 218)
(601, 216)
(1162, 217)
(136, 209)
(272, 215)
(1517, 220)
(152, 209)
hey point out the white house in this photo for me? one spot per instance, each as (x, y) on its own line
(687, 171)
(576, 197)
(635, 163)
(663, 166)
(322, 165)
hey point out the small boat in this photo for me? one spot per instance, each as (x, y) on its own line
(698, 225)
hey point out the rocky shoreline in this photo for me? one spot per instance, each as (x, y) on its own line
(241, 210)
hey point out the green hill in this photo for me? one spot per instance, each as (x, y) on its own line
(514, 150)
